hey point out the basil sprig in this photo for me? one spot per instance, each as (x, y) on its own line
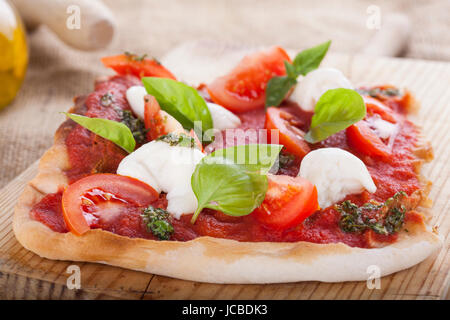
(336, 110)
(306, 61)
(114, 131)
(233, 180)
(180, 101)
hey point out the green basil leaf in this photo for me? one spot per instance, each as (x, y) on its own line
(277, 89)
(233, 180)
(290, 70)
(306, 61)
(310, 59)
(180, 101)
(222, 185)
(114, 131)
(336, 110)
(257, 158)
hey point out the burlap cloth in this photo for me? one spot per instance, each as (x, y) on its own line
(57, 73)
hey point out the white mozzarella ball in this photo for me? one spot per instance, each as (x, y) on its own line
(167, 169)
(223, 118)
(135, 96)
(311, 87)
(336, 173)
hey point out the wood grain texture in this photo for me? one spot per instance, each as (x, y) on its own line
(24, 275)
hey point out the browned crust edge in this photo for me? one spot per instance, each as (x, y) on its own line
(207, 259)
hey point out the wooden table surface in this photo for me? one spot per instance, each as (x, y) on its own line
(24, 275)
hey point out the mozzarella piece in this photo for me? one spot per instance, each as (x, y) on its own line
(223, 118)
(135, 96)
(315, 84)
(336, 173)
(383, 129)
(171, 125)
(167, 169)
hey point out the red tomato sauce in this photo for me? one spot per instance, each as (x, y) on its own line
(90, 154)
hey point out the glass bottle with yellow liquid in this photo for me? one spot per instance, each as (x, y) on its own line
(13, 53)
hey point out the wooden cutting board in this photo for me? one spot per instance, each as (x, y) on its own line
(24, 275)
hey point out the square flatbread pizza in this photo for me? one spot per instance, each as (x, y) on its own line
(272, 170)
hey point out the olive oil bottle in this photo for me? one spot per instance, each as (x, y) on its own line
(13, 53)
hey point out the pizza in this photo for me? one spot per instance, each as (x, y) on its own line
(277, 171)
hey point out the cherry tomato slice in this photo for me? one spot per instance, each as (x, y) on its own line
(288, 134)
(243, 89)
(152, 118)
(84, 198)
(364, 140)
(288, 202)
(375, 106)
(128, 64)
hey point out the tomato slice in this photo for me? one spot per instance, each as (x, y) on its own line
(153, 121)
(375, 106)
(364, 140)
(243, 89)
(129, 64)
(288, 202)
(102, 194)
(288, 133)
